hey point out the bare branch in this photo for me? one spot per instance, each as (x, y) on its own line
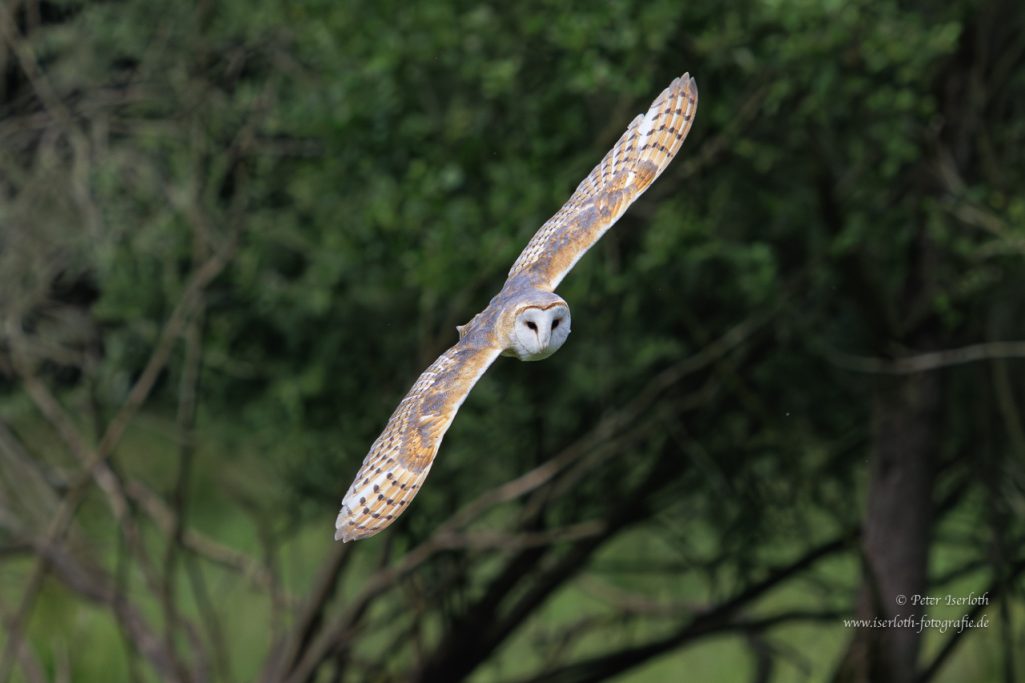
(934, 360)
(197, 542)
(27, 657)
(27, 60)
(628, 603)
(95, 585)
(94, 461)
(955, 638)
(285, 654)
(716, 619)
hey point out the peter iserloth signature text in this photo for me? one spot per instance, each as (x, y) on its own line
(970, 599)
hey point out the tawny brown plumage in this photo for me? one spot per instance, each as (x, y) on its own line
(525, 319)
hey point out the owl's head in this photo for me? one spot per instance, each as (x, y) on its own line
(540, 325)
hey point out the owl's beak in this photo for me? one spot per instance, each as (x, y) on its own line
(544, 336)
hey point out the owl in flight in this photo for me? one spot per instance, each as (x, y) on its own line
(526, 319)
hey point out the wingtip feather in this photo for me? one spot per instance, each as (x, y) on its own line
(683, 83)
(341, 527)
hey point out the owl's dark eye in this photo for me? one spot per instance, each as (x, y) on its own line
(532, 326)
(555, 323)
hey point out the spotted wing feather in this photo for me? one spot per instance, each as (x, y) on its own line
(401, 457)
(641, 154)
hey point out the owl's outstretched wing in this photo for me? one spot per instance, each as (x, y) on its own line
(398, 462)
(641, 154)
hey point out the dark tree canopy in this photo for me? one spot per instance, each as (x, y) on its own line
(233, 233)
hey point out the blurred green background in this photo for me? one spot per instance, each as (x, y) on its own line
(233, 233)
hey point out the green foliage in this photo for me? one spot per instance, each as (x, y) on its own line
(382, 164)
(388, 162)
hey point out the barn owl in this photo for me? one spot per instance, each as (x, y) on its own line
(526, 319)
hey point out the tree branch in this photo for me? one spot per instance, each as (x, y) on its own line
(933, 360)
